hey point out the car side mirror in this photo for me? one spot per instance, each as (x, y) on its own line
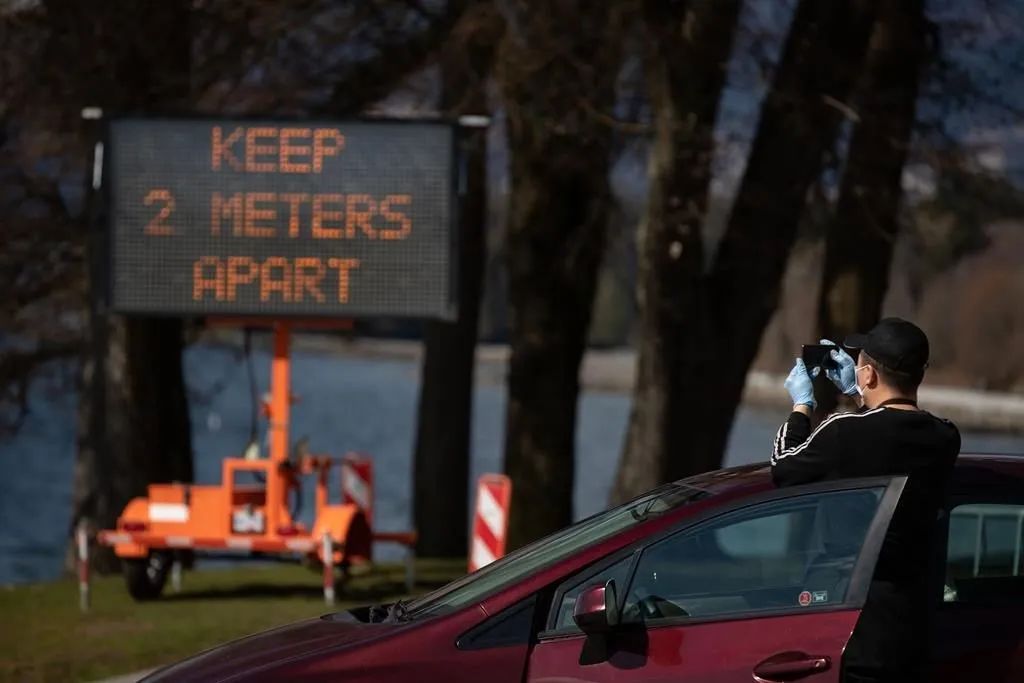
(597, 609)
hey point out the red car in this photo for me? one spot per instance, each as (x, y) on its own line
(719, 577)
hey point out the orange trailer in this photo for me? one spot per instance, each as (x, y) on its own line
(244, 518)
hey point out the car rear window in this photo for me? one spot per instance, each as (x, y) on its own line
(985, 554)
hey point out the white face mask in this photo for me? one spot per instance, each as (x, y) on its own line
(856, 383)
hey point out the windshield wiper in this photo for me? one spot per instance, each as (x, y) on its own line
(641, 515)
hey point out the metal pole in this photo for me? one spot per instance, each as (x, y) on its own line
(328, 560)
(280, 393)
(82, 542)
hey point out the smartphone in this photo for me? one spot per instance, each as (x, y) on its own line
(817, 356)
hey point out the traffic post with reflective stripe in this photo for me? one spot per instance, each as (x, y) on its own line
(327, 557)
(490, 520)
(82, 547)
(357, 483)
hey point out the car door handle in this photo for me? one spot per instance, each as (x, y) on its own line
(790, 666)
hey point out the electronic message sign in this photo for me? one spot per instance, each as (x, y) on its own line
(271, 218)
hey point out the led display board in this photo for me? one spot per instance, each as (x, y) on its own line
(279, 219)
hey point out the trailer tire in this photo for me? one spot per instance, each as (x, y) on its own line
(146, 576)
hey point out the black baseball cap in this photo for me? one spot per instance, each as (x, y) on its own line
(898, 344)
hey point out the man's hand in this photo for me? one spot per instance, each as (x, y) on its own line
(800, 386)
(844, 373)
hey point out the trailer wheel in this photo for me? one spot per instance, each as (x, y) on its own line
(146, 577)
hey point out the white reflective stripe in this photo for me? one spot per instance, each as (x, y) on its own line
(298, 544)
(474, 121)
(179, 541)
(82, 539)
(482, 555)
(168, 512)
(828, 421)
(115, 539)
(240, 543)
(490, 512)
(97, 166)
(356, 488)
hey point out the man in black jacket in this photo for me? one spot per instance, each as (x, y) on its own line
(889, 435)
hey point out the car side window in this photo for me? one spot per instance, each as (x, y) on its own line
(985, 554)
(790, 553)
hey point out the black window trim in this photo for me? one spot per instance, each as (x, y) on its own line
(479, 638)
(860, 579)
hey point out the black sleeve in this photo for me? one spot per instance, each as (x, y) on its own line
(801, 456)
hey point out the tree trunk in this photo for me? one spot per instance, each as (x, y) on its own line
(133, 411)
(688, 53)
(859, 245)
(557, 67)
(441, 460)
(133, 417)
(730, 306)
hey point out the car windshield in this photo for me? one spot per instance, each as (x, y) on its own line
(528, 559)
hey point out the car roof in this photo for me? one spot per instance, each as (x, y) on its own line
(757, 476)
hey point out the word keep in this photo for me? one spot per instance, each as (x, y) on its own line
(268, 149)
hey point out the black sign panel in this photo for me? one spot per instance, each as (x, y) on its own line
(271, 218)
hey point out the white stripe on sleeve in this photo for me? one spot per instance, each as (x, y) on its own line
(785, 453)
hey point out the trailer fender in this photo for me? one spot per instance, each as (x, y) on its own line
(349, 530)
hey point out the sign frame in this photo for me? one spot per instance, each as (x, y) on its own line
(105, 258)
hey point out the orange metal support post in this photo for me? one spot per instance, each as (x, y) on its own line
(280, 404)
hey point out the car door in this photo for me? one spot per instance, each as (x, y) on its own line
(980, 629)
(766, 592)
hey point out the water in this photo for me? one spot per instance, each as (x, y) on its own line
(345, 404)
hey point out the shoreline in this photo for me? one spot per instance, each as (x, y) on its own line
(613, 371)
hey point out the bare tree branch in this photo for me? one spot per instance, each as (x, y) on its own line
(358, 84)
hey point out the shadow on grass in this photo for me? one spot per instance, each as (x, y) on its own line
(248, 590)
(345, 593)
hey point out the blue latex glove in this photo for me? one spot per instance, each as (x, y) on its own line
(844, 375)
(800, 386)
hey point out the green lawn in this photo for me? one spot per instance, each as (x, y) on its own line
(44, 637)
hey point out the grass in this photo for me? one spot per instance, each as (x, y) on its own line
(44, 636)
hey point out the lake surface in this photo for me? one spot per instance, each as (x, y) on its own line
(346, 404)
